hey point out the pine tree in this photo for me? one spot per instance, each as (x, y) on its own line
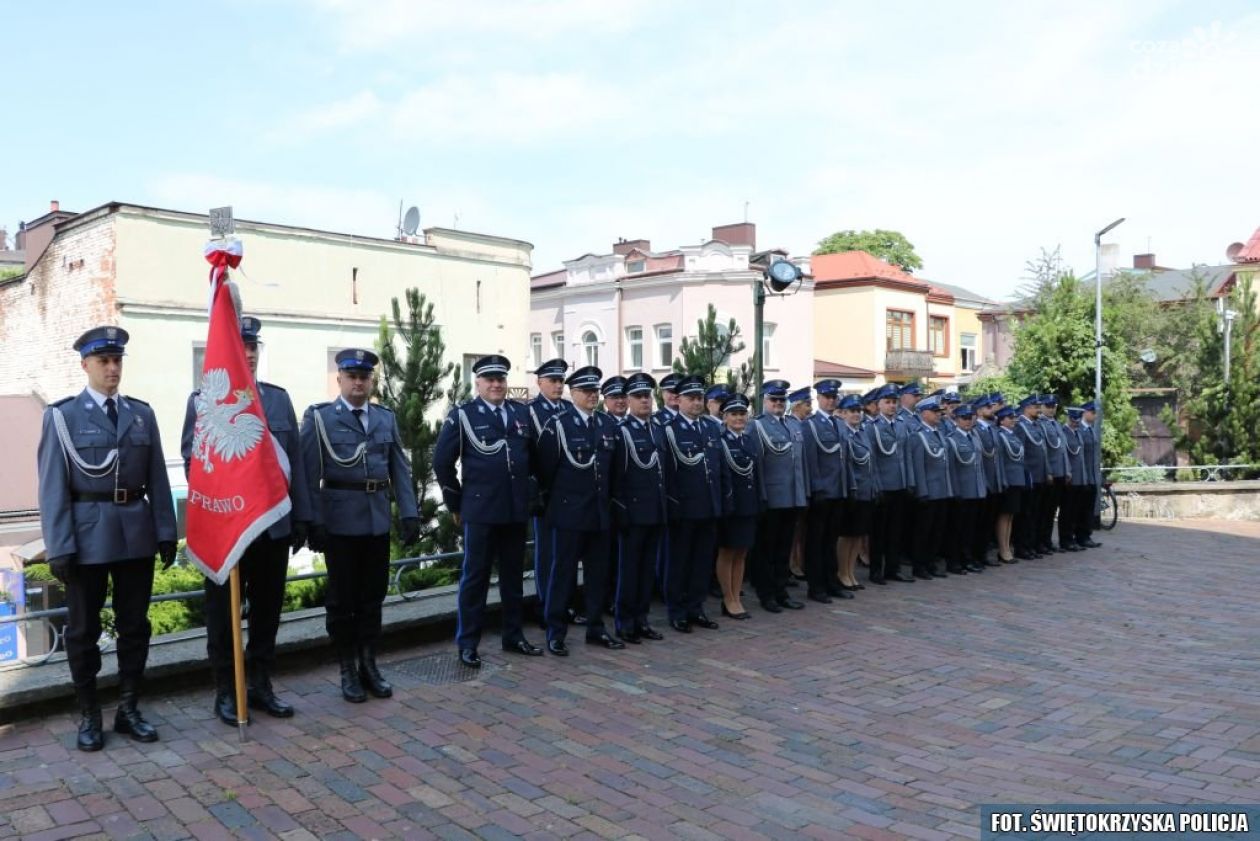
(709, 353)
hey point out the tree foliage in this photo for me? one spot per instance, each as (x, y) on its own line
(409, 382)
(709, 354)
(890, 246)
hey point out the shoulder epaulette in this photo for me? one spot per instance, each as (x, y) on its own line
(320, 405)
(271, 385)
(136, 400)
(62, 400)
(382, 407)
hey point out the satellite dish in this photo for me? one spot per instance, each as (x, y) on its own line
(411, 221)
(1231, 253)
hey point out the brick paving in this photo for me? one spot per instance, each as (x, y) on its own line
(1127, 674)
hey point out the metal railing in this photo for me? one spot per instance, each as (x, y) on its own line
(1182, 473)
(56, 632)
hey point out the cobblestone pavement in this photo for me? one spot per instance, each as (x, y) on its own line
(1126, 674)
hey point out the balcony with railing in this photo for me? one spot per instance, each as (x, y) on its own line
(909, 364)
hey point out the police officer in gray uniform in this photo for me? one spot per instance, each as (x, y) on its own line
(1089, 438)
(785, 491)
(105, 509)
(354, 463)
(1028, 519)
(828, 475)
(265, 563)
(1056, 467)
(971, 490)
(891, 526)
(933, 486)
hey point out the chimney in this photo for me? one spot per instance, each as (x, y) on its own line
(741, 233)
(54, 206)
(1143, 261)
(4, 240)
(625, 246)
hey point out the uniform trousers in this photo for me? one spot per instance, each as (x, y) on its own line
(964, 521)
(86, 587)
(986, 526)
(487, 545)
(689, 566)
(887, 534)
(929, 532)
(773, 552)
(1025, 528)
(1051, 500)
(637, 550)
(263, 569)
(542, 561)
(822, 530)
(1085, 514)
(1074, 498)
(358, 577)
(568, 547)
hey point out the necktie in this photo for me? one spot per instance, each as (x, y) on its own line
(358, 415)
(112, 411)
(503, 417)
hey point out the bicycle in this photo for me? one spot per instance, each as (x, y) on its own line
(1108, 511)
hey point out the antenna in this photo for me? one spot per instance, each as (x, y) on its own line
(411, 222)
(746, 211)
(455, 224)
(398, 227)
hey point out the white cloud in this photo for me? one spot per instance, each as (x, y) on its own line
(331, 116)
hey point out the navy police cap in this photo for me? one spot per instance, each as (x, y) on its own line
(1005, 412)
(775, 388)
(735, 403)
(912, 388)
(928, 404)
(614, 386)
(1089, 406)
(492, 366)
(357, 359)
(250, 328)
(639, 383)
(1030, 400)
(553, 369)
(587, 377)
(1075, 412)
(852, 401)
(669, 382)
(106, 340)
(888, 391)
(800, 395)
(827, 387)
(717, 392)
(964, 411)
(691, 384)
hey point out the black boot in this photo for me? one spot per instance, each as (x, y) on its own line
(225, 697)
(351, 689)
(370, 675)
(261, 695)
(127, 720)
(91, 730)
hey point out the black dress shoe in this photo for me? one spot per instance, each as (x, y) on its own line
(799, 577)
(923, 576)
(769, 606)
(1024, 556)
(1091, 544)
(1069, 547)
(974, 568)
(631, 637)
(650, 633)
(954, 569)
(225, 706)
(904, 579)
(522, 646)
(843, 594)
(818, 596)
(682, 626)
(739, 617)
(996, 563)
(881, 582)
(127, 718)
(91, 731)
(577, 618)
(470, 658)
(261, 696)
(786, 601)
(370, 675)
(702, 621)
(558, 648)
(607, 640)
(351, 688)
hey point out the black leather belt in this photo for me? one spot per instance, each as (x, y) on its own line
(119, 496)
(369, 486)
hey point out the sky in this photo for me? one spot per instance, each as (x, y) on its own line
(982, 131)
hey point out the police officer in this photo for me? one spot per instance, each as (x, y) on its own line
(640, 509)
(986, 437)
(354, 462)
(1056, 468)
(971, 490)
(105, 509)
(909, 396)
(950, 400)
(933, 488)
(489, 498)
(741, 503)
(1028, 520)
(545, 405)
(1014, 480)
(785, 493)
(863, 488)
(890, 528)
(825, 464)
(1074, 495)
(695, 507)
(713, 400)
(669, 399)
(265, 563)
(616, 405)
(575, 454)
(1093, 476)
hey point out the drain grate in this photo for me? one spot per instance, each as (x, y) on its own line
(438, 669)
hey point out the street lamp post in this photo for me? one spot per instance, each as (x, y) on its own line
(780, 275)
(1098, 334)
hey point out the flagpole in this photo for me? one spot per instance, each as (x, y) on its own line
(238, 652)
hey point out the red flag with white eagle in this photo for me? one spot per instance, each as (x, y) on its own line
(238, 475)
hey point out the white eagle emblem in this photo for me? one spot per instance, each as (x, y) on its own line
(223, 429)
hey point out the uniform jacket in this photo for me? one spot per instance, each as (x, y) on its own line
(889, 443)
(493, 482)
(663, 416)
(574, 467)
(1011, 459)
(1089, 437)
(825, 456)
(930, 458)
(967, 464)
(695, 465)
(541, 410)
(283, 425)
(911, 419)
(101, 532)
(862, 477)
(1056, 456)
(1074, 450)
(740, 456)
(1030, 434)
(355, 513)
(639, 479)
(785, 479)
(986, 434)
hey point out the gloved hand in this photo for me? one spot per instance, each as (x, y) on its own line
(166, 549)
(317, 539)
(60, 567)
(297, 536)
(409, 532)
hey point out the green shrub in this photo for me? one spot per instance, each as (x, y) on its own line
(38, 574)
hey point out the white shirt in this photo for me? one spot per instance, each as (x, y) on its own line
(101, 398)
(585, 416)
(363, 418)
(500, 410)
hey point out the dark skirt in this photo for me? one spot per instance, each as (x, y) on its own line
(1012, 500)
(737, 532)
(857, 517)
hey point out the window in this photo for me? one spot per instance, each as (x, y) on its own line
(636, 266)
(557, 344)
(900, 330)
(634, 346)
(967, 346)
(590, 347)
(938, 335)
(664, 345)
(332, 388)
(470, 359)
(535, 350)
(767, 357)
(199, 362)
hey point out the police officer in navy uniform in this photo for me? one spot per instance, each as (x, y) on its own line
(1056, 467)
(1032, 506)
(575, 454)
(828, 476)
(489, 436)
(354, 461)
(986, 431)
(105, 509)
(669, 397)
(639, 509)
(909, 396)
(785, 493)
(265, 564)
(891, 526)
(933, 485)
(545, 405)
(615, 408)
(616, 405)
(971, 490)
(714, 398)
(695, 507)
(1074, 495)
(741, 504)
(1093, 475)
